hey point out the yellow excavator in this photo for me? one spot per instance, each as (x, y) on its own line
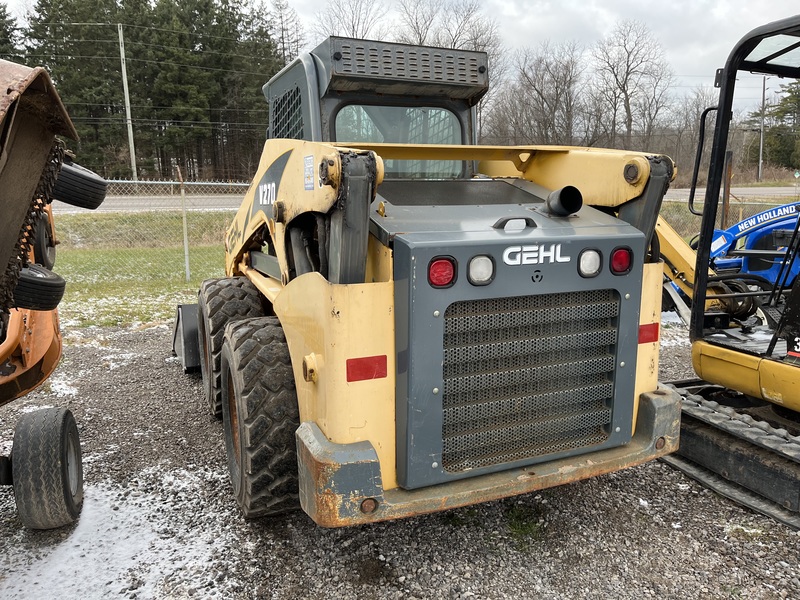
(740, 430)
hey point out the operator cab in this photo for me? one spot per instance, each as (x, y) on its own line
(362, 91)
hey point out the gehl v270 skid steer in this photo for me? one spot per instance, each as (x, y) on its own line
(412, 322)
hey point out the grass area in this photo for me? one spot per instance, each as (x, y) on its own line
(122, 286)
(525, 524)
(125, 268)
(154, 229)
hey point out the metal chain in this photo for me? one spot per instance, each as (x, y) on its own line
(41, 197)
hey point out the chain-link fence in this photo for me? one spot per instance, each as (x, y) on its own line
(161, 239)
(144, 250)
(676, 211)
(150, 215)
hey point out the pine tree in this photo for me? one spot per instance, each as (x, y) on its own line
(9, 36)
(77, 42)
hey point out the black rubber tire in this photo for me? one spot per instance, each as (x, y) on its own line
(38, 288)
(219, 302)
(47, 469)
(260, 417)
(78, 186)
(44, 248)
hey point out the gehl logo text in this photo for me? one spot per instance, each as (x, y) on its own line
(535, 254)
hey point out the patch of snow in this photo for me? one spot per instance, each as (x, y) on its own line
(34, 408)
(61, 387)
(115, 361)
(123, 544)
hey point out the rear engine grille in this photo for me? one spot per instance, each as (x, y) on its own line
(527, 377)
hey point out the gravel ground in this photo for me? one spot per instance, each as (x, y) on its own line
(159, 520)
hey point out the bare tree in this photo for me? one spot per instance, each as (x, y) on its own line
(630, 68)
(684, 126)
(418, 21)
(352, 18)
(459, 19)
(286, 29)
(652, 105)
(549, 79)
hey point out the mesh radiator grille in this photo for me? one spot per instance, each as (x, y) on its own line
(526, 377)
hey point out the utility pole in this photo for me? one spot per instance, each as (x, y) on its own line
(131, 149)
(761, 140)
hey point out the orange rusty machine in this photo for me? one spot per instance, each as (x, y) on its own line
(45, 462)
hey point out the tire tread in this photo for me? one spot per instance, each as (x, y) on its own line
(268, 416)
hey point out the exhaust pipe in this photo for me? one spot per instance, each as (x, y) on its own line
(564, 202)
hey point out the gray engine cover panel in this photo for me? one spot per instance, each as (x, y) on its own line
(432, 231)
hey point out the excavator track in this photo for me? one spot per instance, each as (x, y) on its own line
(19, 256)
(740, 457)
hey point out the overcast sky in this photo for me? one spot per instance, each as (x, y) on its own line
(696, 35)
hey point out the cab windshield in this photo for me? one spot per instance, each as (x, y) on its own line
(403, 125)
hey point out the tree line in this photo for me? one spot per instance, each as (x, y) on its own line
(781, 120)
(195, 69)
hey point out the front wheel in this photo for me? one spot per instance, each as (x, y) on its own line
(78, 186)
(260, 416)
(219, 302)
(38, 288)
(46, 468)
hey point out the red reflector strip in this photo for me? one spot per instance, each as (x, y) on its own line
(368, 367)
(648, 333)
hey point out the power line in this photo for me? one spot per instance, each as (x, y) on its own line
(170, 122)
(147, 106)
(141, 60)
(130, 42)
(146, 27)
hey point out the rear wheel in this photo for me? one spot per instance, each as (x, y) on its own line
(221, 301)
(260, 416)
(47, 469)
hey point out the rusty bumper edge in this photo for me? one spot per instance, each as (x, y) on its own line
(340, 484)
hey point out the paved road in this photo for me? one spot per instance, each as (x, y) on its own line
(144, 203)
(220, 201)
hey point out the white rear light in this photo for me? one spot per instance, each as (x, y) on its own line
(589, 263)
(481, 270)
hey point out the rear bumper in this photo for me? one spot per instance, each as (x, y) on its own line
(340, 484)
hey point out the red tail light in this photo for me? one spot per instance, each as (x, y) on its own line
(621, 261)
(442, 271)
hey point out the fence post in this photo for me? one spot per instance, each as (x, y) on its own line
(185, 226)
